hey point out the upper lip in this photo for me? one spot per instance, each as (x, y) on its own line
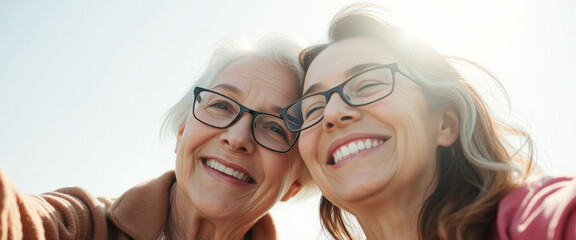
(347, 139)
(230, 165)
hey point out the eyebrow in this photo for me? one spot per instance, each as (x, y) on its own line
(228, 87)
(359, 68)
(348, 74)
(311, 89)
(237, 91)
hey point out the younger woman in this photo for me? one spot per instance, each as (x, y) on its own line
(393, 134)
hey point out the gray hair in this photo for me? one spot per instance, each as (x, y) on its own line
(274, 48)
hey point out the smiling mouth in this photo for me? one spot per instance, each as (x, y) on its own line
(353, 148)
(228, 171)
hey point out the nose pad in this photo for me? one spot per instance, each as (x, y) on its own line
(338, 113)
(238, 136)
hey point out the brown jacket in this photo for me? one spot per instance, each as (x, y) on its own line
(73, 213)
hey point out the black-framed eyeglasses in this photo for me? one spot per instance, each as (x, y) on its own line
(361, 89)
(217, 110)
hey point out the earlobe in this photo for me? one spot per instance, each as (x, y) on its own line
(449, 129)
(178, 137)
(294, 189)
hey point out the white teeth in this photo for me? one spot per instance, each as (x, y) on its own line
(355, 147)
(345, 152)
(228, 171)
(361, 146)
(368, 144)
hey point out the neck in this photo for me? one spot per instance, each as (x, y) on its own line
(186, 222)
(388, 222)
(391, 214)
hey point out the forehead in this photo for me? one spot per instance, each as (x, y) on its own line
(256, 67)
(250, 71)
(336, 61)
(253, 79)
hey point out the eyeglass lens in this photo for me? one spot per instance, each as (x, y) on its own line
(364, 88)
(220, 111)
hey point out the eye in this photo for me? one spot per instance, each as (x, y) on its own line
(278, 130)
(222, 105)
(313, 112)
(274, 129)
(371, 84)
(219, 106)
(313, 107)
(368, 87)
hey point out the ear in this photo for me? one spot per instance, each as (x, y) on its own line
(294, 189)
(449, 129)
(178, 137)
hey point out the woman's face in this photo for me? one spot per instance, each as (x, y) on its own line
(405, 130)
(224, 172)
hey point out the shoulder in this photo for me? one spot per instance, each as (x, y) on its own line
(542, 209)
(557, 190)
(142, 210)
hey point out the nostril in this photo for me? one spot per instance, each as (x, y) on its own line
(330, 125)
(344, 118)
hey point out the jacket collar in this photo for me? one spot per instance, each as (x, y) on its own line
(141, 212)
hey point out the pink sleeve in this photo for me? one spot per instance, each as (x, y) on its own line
(544, 210)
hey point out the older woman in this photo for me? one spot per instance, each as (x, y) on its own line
(393, 134)
(233, 163)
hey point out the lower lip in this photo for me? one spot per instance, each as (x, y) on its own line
(221, 176)
(355, 157)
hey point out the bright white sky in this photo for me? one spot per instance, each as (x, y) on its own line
(83, 85)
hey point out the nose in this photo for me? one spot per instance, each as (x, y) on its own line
(238, 136)
(338, 114)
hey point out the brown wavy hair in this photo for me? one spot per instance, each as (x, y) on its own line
(478, 170)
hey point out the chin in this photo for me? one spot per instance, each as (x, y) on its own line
(360, 189)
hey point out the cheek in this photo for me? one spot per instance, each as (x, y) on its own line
(414, 150)
(310, 147)
(195, 135)
(278, 167)
(184, 160)
(308, 144)
(279, 174)
(415, 142)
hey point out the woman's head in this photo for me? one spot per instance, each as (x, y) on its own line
(276, 49)
(378, 134)
(233, 151)
(436, 140)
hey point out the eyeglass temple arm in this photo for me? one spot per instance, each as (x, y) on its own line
(406, 72)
